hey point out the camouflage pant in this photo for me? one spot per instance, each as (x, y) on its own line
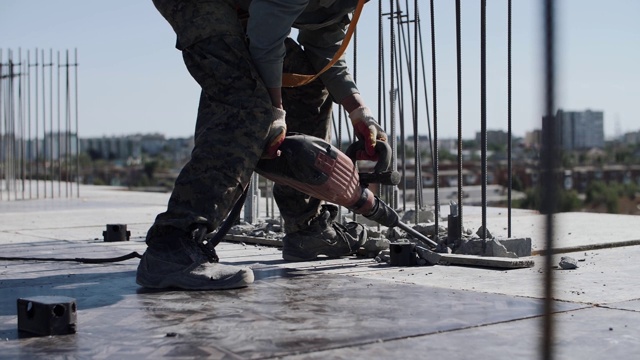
(234, 117)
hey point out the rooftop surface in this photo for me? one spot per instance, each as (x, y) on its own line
(347, 308)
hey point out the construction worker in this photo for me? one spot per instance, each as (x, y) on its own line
(243, 115)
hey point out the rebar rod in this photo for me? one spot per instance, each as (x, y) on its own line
(51, 120)
(59, 155)
(483, 112)
(459, 78)
(416, 110)
(549, 163)
(75, 56)
(392, 123)
(436, 180)
(509, 130)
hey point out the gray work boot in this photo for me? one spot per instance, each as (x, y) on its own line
(188, 262)
(324, 237)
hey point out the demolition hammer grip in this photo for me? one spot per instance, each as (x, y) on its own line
(382, 173)
(383, 150)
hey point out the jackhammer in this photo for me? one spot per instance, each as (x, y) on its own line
(318, 169)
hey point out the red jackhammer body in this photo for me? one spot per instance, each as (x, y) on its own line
(318, 169)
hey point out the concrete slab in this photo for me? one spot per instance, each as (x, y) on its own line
(333, 308)
(592, 333)
(286, 311)
(633, 305)
(605, 276)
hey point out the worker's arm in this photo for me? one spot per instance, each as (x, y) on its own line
(320, 45)
(269, 24)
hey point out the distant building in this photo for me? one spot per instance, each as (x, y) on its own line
(631, 138)
(579, 130)
(496, 138)
(135, 146)
(532, 139)
(54, 146)
(111, 148)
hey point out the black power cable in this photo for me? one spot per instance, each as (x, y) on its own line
(80, 260)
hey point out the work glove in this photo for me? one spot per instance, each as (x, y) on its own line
(367, 129)
(276, 135)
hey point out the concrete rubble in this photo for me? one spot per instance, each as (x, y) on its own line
(379, 239)
(568, 263)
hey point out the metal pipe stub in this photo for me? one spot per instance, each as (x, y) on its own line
(116, 232)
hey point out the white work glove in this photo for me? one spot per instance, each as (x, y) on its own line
(277, 133)
(367, 128)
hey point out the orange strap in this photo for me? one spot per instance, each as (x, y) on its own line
(294, 80)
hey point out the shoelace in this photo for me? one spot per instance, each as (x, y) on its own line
(199, 236)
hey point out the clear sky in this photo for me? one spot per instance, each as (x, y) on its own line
(132, 79)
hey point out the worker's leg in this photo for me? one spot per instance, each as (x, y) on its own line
(233, 122)
(311, 228)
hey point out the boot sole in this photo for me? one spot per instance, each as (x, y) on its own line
(185, 279)
(241, 279)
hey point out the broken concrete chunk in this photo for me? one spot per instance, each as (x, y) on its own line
(396, 234)
(490, 247)
(568, 263)
(241, 229)
(499, 250)
(479, 233)
(372, 247)
(520, 246)
(376, 245)
(431, 258)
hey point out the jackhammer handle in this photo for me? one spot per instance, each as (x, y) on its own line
(383, 150)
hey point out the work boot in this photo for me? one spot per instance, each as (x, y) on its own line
(189, 262)
(324, 237)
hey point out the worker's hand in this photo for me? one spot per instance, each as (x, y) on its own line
(277, 133)
(367, 128)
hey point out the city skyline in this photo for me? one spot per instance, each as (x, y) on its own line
(132, 80)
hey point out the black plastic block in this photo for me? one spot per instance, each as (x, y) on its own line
(402, 254)
(47, 315)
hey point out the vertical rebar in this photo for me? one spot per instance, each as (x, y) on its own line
(416, 111)
(51, 120)
(44, 127)
(21, 120)
(483, 111)
(59, 155)
(37, 129)
(510, 137)
(436, 177)
(380, 60)
(67, 141)
(75, 61)
(20, 165)
(11, 131)
(392, 122)
(459, 78)
(548, 180)
(29, 139)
